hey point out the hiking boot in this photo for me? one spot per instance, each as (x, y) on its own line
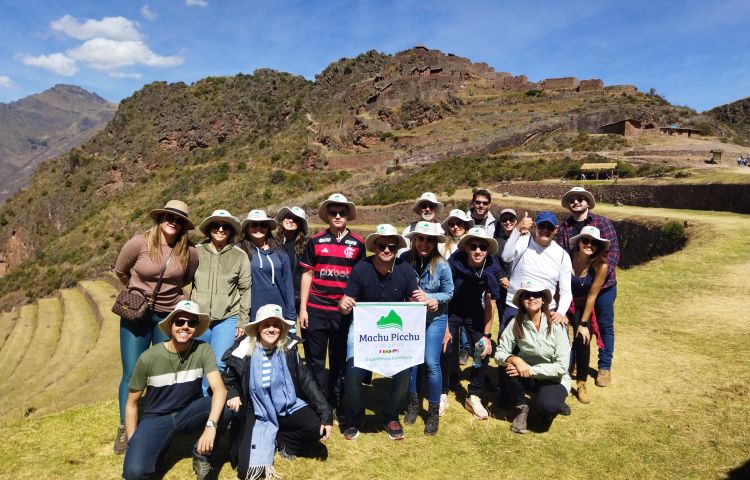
(395, 432)
(412, 411)
(285, 455)
(351, 432)
(463, 355)
(603, 378)
(565, 410)
(582, 393)
(201, 467)
(519, 421)
(121, 441)
(443, 404)
(474, 405)
(433, 419)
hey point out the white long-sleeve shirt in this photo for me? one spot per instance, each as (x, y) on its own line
(549, 267)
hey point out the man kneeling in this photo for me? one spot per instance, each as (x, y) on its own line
(173, 372)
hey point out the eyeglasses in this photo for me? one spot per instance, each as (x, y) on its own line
(479, 202)
(180, 322)
(530, 295)
(427, 206)
(507, 219)
(573, 200)
(220, 226)
(382, 247)
(424, 238)
(337, 213)
(481, 246)
(258, 225)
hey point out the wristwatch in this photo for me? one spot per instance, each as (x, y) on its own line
(210, 424)
(488, 335)
(584, 324)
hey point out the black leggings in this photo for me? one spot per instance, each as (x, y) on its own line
(548, 395)
(474, 326)
(580, 354)
(298, 430)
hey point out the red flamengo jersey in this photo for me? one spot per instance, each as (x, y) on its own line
(331, 263)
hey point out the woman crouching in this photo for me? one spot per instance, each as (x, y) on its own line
(541, 364)
(276, 400)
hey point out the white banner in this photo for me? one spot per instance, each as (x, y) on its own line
(389, 337)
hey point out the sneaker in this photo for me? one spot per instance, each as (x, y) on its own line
(582, 393)
(433, 419)
(395, 432)
(351, 432)
(603, 378)
(201, 467)
(121, 441)
(412, 411)
(463, 356)
(519, 421)
(443, 404)
(285, 455)
(474, 405)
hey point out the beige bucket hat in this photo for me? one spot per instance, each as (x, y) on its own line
(186, 306)
(258, 216)
(531, 286)
(175, 207)
(219, 215)
(480, 233)
(457, 214)
(265, 312)
(430, 229)
(578, 191)
(428, 197)
(591, 232)
(384, 230)
(297, 212)
(340, 199)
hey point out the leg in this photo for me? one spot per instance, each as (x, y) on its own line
(298, 431)
(149, 442)
(605, 317)
(222, 338)
(337, 353)
(316, 348)
(432, 350)
(452, 368)
(477, 375)
(549, 398)
(135, 338)
(396, 394)
(354, 408)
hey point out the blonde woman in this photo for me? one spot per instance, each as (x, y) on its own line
(455, 227)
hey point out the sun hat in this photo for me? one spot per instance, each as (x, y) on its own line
(531, 286)
(428, 197)
(460, 215)
(337, 198)
(270, 310)
(384, 230)
(175, 207)
(258, 216)
(507, 210)
(186, 306)
(578, 191)
(430, 229)
(297, 212)
(546, 216)
(482, 234)
(222, 215)
(591, 232)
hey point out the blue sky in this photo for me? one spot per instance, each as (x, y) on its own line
(695, 53)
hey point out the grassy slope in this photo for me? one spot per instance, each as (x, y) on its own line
(668, 413)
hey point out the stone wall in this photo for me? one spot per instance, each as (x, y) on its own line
(564, 83)
(593, 85)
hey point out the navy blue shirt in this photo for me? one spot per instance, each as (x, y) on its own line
(367, 285)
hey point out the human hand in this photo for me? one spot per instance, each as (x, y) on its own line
(432, 305)
(504, 282)
(234, 404)
(486, 347)
(302, 318)
(524, 224)
(239, 333)
(206, 442)
(584, 333)
(347, 304)
(418, 295)
(447, 338)
(557, 317)
(325, 432)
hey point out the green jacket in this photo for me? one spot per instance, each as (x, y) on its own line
(221, 285)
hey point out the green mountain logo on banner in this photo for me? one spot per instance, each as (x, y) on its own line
(392, 320)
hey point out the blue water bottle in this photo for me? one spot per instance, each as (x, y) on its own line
(478, 350)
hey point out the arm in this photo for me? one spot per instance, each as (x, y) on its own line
(192, 266)
(558, 366)
(218, 397)
(613, 254)
(489, 307)
(126, 259)
(515, 246)
(315, 398)
(505, 344)
(596, 287)
(304, 294)
(445, 291)
(288, 286)
(563, 284)
(131, 412)
(245, 286)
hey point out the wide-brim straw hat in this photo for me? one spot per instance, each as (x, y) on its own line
(457, 215)
(219, 216)
(297, 212)
(186, 306)
(593, 233)
(531, 286)
(430, 229)
(258, 216)
(578, 191)
(265, 312)
(175, 207)
(337, 198)
(480, 233)
(384, 230)
(428, 197)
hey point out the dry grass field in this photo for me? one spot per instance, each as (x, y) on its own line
(678, 408)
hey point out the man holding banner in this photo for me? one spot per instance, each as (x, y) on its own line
(387, 336)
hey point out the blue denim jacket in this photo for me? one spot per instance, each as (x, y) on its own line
(438, 286)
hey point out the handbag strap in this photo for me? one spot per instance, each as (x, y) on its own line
(161, 278)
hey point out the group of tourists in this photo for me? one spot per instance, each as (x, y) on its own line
(228, 353)
(743, 160)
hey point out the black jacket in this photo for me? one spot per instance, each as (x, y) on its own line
(236, 380)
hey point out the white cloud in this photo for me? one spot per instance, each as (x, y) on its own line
(6, 82)
(55, 62)
(117, 74)
(106, 54)
(148, 13)
(196, 3)
(115, 28)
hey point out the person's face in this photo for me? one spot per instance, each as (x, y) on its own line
(385, 248)
(269, 332)
(532, 302)
(588, 246)
(258, 230)
(477, 251)
(337, 214)
(427, 211)
(481, 205)
(456, 228)
(171, 225)
(544, 234)
(577, 204)
(508, 222)
(183, 327)
(424, 244)
(220, 233)
(289, 223)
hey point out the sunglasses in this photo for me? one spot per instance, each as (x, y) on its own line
(456, 225)
(180, 322)
(258, 225)
(481, 246)
(427, 206)
(423, 238)
(530, 295)
(168, 217)
(589, 241)
(479, 202)
(291, 217)
(220, 227)
(573, 200)
(507, 220)
(337, 213)
(382, 247)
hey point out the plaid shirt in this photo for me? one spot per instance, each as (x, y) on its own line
(567, 230)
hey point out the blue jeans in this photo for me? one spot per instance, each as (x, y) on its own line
(154, 434)
(136, 338)
(605, 317)
(354, 407)
(220, 335)
(433, 347)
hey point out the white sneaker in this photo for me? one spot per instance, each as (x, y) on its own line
(474, 405)
(443, 404)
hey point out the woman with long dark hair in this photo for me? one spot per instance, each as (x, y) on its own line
(292, 233)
